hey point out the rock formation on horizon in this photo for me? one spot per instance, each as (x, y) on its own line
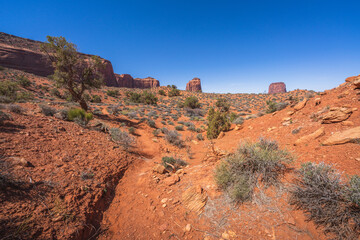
(194, 85)
(126, 80)
(277, 87)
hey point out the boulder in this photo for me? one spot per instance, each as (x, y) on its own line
(349, 135)
(304, 139)
(194, 85)
(336, 114)
(357, 83)
(351, 79)
(300, 105)
(277, 87)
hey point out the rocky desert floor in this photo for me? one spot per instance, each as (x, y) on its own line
(63, 180)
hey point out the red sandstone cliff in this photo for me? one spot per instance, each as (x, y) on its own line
(194, 85)
(126, 80)
(278, 87)
(24, 54)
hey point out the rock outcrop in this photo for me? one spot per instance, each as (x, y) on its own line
(336, 114)
(127, 81)
(24, 54)
(194, 85)
(148, 82)
(277, 87)
(350, 135)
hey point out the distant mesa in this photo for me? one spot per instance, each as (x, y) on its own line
(127, 81)
(277, 87)
(24, 54)
(194, 85)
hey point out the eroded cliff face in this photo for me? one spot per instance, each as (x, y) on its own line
(126, 80)
(24, 54)
(194, 85)
(278, 87)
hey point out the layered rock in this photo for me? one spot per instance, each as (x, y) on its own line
(194, 85)
(126, 80)
(277, 87)
(24, 54)
(148, 82)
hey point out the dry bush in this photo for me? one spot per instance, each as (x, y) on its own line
(174, 138)
(253, 162)
(122, 138)
(328, 201)
(47, 110)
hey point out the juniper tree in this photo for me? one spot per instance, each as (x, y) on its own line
(73, 71)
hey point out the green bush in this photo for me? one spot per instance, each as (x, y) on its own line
(131, 130)
(328, 200)
(192, 102)
(179, 128)
(200, 137)
(146, 98)
(274, 106)
(55, 92)
(217, 122)
(79, 116)
(96, 99)
(8, 89)
(252, 162)
(162, 92)
(174, 92)
(112, 93)
(24, 81)
(222, 104)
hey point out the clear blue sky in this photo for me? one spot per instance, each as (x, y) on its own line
(232, 46)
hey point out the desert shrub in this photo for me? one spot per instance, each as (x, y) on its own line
(131, 130)
(250, 164)
(179, 128)
(174, 138)
(8, 89)
(55, 92)
(149, 98)
(5, 117)
(238, 121)
(273, 106)
(95, 99)
(194, 112)
(47, 110)
(327, 200)
(5, 99)
(192, 102)
(79, 116)
(222, 104)
(217, 122)
(162, 92)
(164, 130)
(151, 123)
(174, 92)
(2, 68)
(122, 138)
(16, 108)
(23, 96)
(200, 137)
(24, 81)
(172, 164)
(232, 117)
(192, 128)
(133, 114)
(112, 93)
(156, 132)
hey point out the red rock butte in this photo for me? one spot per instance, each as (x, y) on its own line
(127, 81)
(194, 85)
(277, 87)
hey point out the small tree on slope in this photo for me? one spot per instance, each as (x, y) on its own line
(73, 71)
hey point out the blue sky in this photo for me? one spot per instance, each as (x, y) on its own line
(232, 46)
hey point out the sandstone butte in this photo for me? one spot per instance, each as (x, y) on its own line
(277, 87)
(126, 80)
(24, 54)
(194, 85)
